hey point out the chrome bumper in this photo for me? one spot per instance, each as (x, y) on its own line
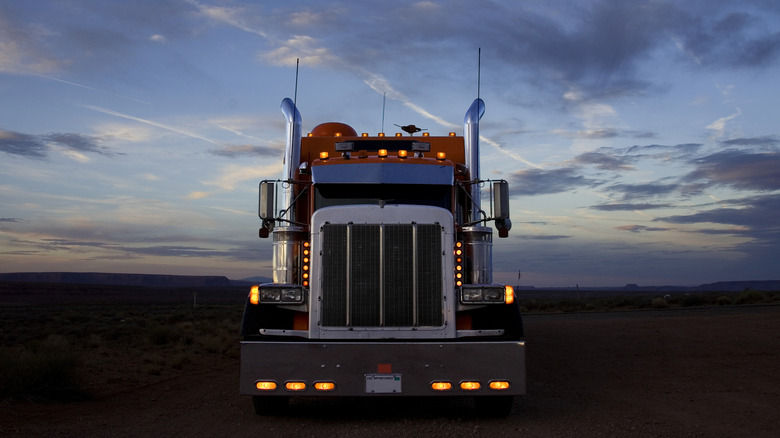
(382, 368)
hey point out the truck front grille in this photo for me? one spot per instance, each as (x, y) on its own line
(381, 275)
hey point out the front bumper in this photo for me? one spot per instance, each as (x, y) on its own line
(382, 368)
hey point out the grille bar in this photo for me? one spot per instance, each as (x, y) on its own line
(376, 275)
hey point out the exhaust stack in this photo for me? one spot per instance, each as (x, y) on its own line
(471, 141)
(292, 150)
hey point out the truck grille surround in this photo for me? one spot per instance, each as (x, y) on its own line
(382, 275)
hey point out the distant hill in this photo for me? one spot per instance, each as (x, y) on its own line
(146, 280)
(155, 280)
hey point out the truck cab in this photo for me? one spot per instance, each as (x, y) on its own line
(382, 273)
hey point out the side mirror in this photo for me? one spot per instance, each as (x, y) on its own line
(267, 207)
(501, 208)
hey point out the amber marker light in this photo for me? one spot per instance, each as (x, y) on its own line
(452, 134)
(470, 386)
(324, 386)
(323, 155)
(382, 153)
(441, 386)
(441, 156)
(398, 134)
(403, 154)
(381, 134)
(426, 134)
(499, 385)
(266, 385)
(295, 386)
(254, 295)
(365, 134)
(509, 294)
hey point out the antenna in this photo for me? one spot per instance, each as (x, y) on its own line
(295, 99)
(479, 70)
(384, 99)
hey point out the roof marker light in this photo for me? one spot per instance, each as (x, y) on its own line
(403, 154)
(441, 156)
(323, 155)
(382, 153)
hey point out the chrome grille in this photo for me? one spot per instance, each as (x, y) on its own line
(381, 275)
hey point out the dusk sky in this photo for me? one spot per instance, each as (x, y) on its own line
(641, 139)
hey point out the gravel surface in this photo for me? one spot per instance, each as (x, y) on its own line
(677, 373)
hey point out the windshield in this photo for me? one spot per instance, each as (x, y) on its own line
(328, 195)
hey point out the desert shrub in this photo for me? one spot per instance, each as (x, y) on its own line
(659, 303)
(723, 300)
(162, 334)
(693, 300)
(750, 297)
(45, 369)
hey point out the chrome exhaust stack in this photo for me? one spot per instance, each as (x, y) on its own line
(471, 142)
(478, 239)
(292, 151)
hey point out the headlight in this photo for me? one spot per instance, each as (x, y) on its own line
(471, 295)
(482, 294)
(280, 294)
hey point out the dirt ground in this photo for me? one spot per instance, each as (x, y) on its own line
(676, 373)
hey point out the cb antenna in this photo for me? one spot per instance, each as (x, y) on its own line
(479, 69)
(295, 96)
(384, 100)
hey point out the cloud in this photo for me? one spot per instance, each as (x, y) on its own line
(766, 141)
(738, 169)
(633, 191)
(639, 228)
(629, 207)
(542, 182)
(719, 126)
(38, 146)
(20, 51)
(246, 150)
(544, 237)
(757, 214)
(605, 161)
(152, 123)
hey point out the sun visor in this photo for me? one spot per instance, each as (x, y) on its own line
(382, 173)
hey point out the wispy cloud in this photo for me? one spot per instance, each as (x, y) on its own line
(38, 146)
(153, 123)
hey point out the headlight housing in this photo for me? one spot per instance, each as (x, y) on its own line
(276, 294)
(486, 294)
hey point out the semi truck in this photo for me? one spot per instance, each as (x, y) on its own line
(382, 272)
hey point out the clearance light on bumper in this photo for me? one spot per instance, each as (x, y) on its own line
(295, 386)
(499, 385)
(470, 386)
(324, 386)
(276, 294)
(486, 294)
(266, 385)
(441, 386)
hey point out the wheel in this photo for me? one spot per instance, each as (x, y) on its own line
(269, 405)
(497, 406)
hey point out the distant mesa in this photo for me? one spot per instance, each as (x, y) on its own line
(145, 280)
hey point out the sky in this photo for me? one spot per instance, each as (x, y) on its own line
(640, 139)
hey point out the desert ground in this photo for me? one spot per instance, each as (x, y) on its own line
(696, 371)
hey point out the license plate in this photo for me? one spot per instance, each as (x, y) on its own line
(383, 383)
